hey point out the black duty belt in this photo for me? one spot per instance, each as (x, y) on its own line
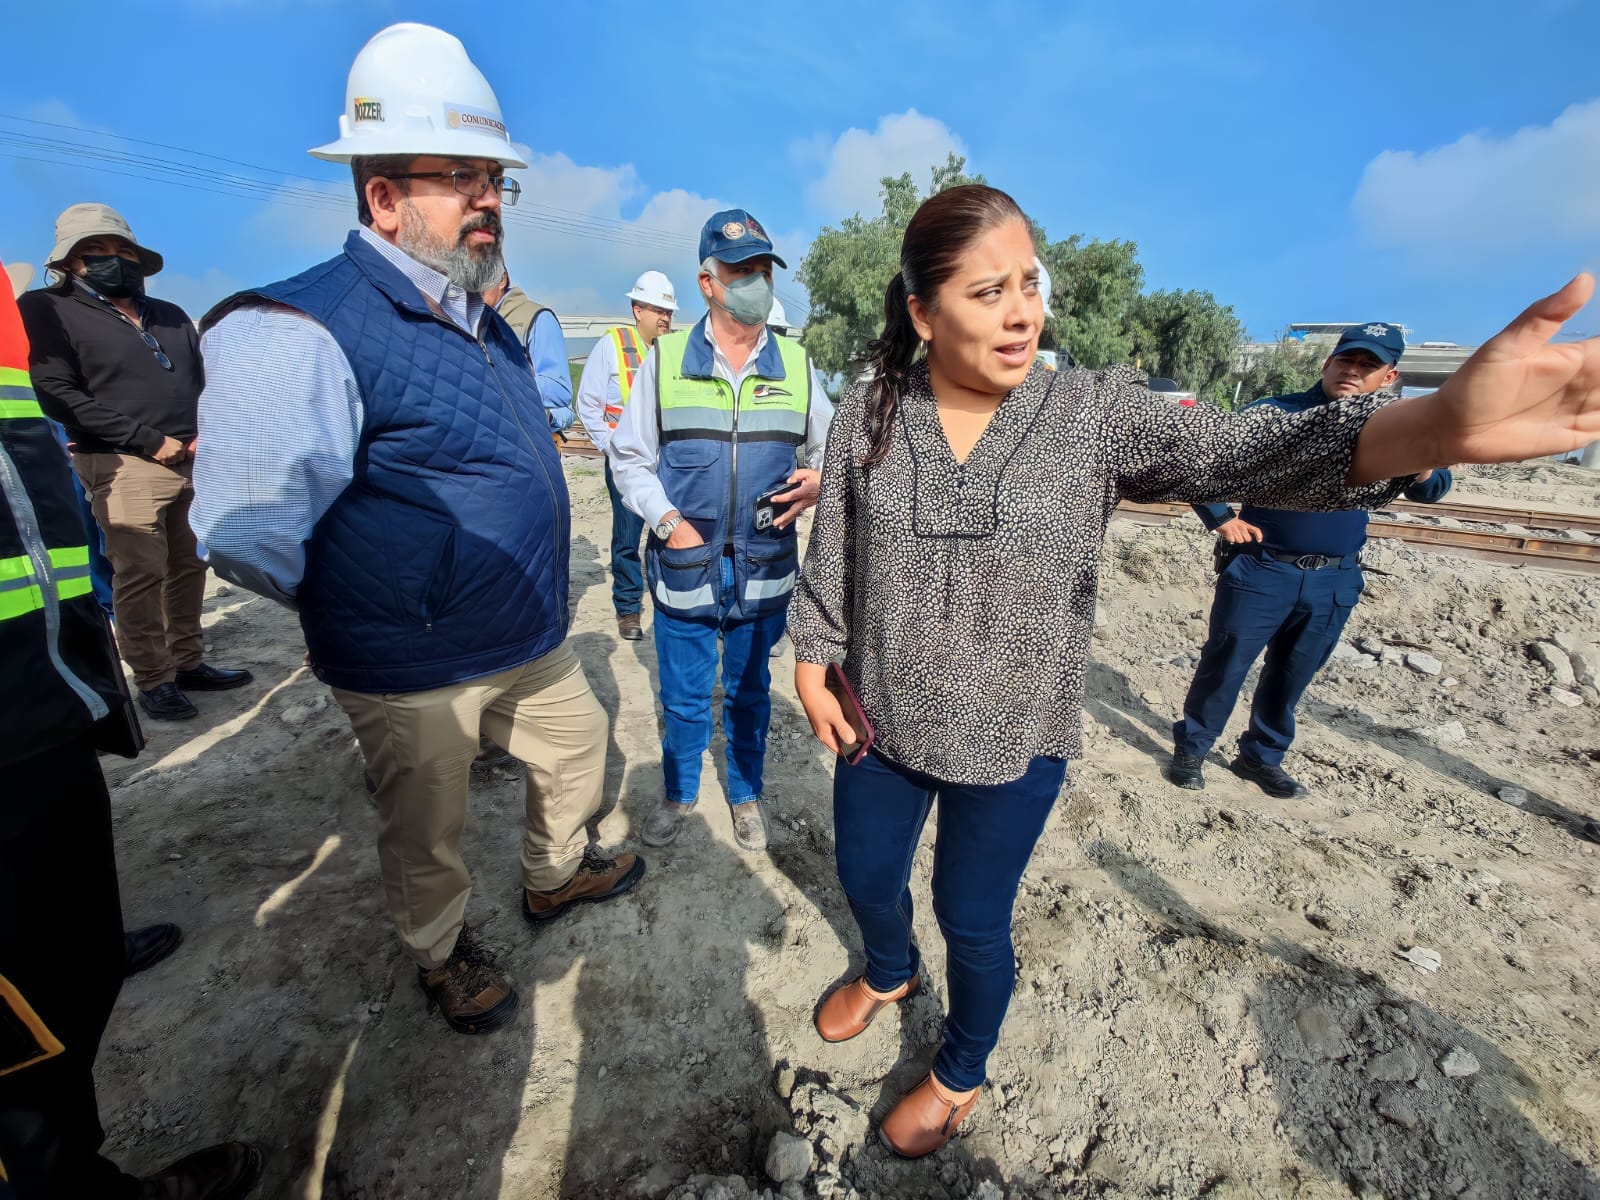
(1306, 562)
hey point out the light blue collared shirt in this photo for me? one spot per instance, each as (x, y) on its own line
(548, 350)
(280, 422)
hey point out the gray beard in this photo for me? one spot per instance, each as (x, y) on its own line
(470, 270)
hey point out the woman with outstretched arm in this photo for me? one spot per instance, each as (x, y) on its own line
(952, 571)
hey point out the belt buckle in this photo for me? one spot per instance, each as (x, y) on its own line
(1312, 562)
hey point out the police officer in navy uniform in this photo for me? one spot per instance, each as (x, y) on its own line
(1287, 585)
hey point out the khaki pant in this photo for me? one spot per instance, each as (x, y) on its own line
(419, 746)
(159, 582)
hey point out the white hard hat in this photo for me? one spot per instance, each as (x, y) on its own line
(1044, 284)
(654, 288)
(413, 90)
(777, 316)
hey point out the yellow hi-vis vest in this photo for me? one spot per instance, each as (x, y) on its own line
(630, 349)
(25, 578)
(719, 453)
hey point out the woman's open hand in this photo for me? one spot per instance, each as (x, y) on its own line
(822, 708)
(1522, 395)
(1519, 396)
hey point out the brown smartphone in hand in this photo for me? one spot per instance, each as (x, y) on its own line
(836, 683)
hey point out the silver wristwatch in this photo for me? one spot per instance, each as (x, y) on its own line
(664, 530)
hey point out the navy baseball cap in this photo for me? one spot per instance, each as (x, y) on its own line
(733, 235)
(1378, 338)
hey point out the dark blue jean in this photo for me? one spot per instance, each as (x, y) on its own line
(686, 653)
(627, 569)
(984, 840)
(1297, 617)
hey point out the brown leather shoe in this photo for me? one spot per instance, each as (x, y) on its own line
(468, 990)
(628, 627)
(925, 1119)
(597, 878)
(848, 1010)
(222, 1172)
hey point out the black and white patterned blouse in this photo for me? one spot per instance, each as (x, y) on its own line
(961, 597)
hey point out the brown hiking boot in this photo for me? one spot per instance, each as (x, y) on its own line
(597, 878)
(222, 1172)
(628, 627)
(468, 990)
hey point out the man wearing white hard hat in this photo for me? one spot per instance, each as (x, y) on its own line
(603, 393)
(383, 464)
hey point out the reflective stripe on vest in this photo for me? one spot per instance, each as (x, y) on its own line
(630, 353)
(773, 410)
(16, 395)
(21, 590)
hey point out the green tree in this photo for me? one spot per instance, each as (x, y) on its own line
(1187, 337)
(849, 267)
(1093, 285)
(1286, 366)
(1096, 311)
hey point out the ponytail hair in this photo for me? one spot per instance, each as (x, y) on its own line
(889, 356)
(938, 235)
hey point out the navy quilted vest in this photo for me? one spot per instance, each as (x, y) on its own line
(446, 557)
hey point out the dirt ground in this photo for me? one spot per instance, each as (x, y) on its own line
(1209, 998)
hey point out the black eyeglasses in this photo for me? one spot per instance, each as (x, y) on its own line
(472, 182)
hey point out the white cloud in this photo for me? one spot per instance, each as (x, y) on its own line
(556, 180)
(856, 161)
(305, 218)
(578, 238)
(1537, 186)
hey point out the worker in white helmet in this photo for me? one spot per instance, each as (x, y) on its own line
(778, 319)
(377, 457)
(603, 392)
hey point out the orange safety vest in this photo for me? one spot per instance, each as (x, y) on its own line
(630, 353)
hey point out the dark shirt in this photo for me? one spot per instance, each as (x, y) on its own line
(95, 374)
(1331, 533)
(962, 596)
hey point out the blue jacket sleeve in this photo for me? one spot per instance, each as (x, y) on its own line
(1213, 515)
(1432, 489)
(548, 350)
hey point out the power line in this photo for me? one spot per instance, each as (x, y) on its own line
(65, 152)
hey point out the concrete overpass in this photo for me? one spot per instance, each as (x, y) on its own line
(1430, 366)
(1423, 366)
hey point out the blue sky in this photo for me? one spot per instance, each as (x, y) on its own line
(1436, 164)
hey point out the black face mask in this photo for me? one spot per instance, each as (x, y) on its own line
(112, 275)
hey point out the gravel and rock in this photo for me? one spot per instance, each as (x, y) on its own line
(1210, 999)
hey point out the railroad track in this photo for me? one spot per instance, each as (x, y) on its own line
(1492, 514)
(1512, 549)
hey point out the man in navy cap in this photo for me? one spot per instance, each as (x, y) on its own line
(719, 450)
(1287, 584)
